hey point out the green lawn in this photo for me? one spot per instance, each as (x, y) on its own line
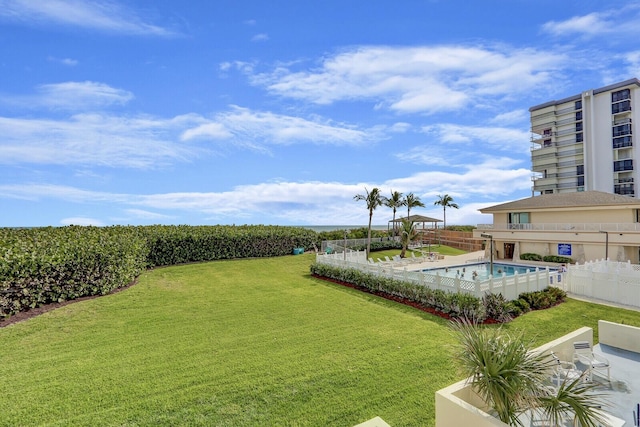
(441, 249)
(240, 343)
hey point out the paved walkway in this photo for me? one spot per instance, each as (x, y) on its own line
(448, 260)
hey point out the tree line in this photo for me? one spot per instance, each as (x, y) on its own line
(406, 231)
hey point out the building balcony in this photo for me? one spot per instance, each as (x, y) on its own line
(570, 227)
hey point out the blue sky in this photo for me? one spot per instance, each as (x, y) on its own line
(252, 112)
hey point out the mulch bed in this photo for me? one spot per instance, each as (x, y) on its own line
(398, 299)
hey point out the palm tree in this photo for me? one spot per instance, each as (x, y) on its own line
(412, 201)
(394, 202)
(445, 201)
(373, 199)
(407, 234)
(513, 379)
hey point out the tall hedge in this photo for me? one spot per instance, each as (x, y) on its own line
(169, 245)
(43, 265)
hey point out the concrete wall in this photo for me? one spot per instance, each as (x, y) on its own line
(620, 336)
(458, 405)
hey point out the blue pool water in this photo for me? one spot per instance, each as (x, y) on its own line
(481, 270)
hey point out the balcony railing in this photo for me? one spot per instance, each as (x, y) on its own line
(574, 227)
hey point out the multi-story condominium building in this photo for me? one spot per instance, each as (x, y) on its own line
(585, 142)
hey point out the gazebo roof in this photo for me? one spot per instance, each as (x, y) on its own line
(417, 218)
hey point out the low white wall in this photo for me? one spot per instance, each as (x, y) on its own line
(620, 336)
(458, 405)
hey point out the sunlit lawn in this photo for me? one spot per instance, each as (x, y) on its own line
(240, 343)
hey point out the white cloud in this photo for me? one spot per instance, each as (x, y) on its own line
(310, 202)
(257, 129)
(94, 139)
(82, 221)
(615, 23)
(139, 141)
(511, 117)
(64, 61)
(74, 96)
(633, 62)
(592, 23)
(500, 138)
(414, 79)
(104, 15)
(262, 37)
(143, 214)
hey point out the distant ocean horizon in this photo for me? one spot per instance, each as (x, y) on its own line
(320, 228)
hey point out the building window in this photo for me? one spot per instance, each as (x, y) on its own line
(620, 95)
(579, 137)
(547, 143)
(579, 127)
(548, 191)
(579, 105)
(637, 215)
(622, 141)
(624, 189)
(516, 219)
(622, 130)
(580, 181)
(578, 115)
(580, 170)
(623, 165)
(620, 107)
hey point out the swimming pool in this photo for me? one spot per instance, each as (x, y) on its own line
(480, 270)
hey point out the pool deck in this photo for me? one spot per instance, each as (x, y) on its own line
(623, 393)
(448, 260)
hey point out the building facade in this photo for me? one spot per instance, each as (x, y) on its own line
(585, 142)
(583, 226)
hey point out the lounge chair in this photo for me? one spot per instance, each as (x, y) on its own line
(594, 362)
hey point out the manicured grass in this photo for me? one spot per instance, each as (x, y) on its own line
(441, 249)
(240, 343)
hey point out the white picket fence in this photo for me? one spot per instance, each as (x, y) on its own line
(509, 286)
(611, 281)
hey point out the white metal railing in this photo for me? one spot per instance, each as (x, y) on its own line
(613, 227)
(604, 280)
(509, 286)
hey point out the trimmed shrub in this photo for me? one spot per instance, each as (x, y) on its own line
(496, 307)
(522, 305)
(557, 259)
(531, 257)
(456, 305)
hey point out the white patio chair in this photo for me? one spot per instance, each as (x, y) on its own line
(594, 362)
(564, 371)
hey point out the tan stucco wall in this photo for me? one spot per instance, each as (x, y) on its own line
(590, 216)
(620, 336)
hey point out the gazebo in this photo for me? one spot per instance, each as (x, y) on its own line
(415, 219)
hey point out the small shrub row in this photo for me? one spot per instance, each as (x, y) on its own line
(557, 258)
(531, 257)
(456, 305)
(547, 258)
(541, 300)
